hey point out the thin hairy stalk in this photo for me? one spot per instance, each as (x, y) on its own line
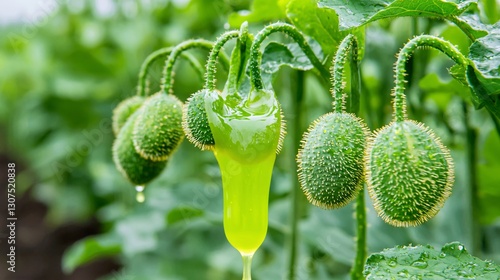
(399, 113)
(167, 81)
(347, 45)
(212, 58)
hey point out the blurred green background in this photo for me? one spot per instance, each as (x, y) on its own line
(64, 70)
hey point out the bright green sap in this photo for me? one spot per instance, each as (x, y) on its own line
(246, 133)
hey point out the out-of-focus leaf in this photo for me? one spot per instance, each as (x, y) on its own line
(489, 181)
(261, 10)
(353, 14)
(90, 249)
(183, 214)
(139, 230)
(424, 262)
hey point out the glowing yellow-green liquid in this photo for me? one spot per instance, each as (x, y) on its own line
(246, 194)
(246, 134)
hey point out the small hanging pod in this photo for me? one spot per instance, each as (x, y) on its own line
(124, 110)
(138, 170)
(158, 128)
(409, 172)
(331, 158)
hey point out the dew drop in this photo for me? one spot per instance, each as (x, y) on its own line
(442, 255)
(140, 194)
(419, 264)
(460, 247)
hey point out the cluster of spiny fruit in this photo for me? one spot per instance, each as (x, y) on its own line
(409, 173)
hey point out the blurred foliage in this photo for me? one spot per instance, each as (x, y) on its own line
(62, 76)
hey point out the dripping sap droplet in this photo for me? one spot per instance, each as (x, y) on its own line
(140, 194)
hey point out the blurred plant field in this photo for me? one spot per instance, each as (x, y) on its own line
(62, 74)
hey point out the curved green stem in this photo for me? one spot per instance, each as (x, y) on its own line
(143, 72)
(256, 54)
(167, 80)
(142, 87)
(212, 58)
(337, 71)
(399, 113)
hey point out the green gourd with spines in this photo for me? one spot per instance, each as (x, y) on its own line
(133, 166)
(331, 158)
(158, 128)
(195, 121)
(409, 173)
(124, 110)
(330, 161)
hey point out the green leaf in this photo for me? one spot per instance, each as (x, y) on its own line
(277, 55)
(261, 10)
(470, 23)
(457, 71)
(139, 231)
(89, 249)
(486, 92)
(320, 24)
(424, 262)
(485, 55)
(183, 213)
(353, 14)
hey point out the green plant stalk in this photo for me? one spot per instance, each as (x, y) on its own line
(353, 107)
(143, 72)
(399, 110)
(212, 58)
(473, 184)
(361, 251)
(142, 89)
(256, 54)
(167, 81)
(296, 192)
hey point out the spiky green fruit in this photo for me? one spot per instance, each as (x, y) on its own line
(135, 168)
(195, 121)
(409, 173)
(124, 110)
(158, 129)
(330, 161)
